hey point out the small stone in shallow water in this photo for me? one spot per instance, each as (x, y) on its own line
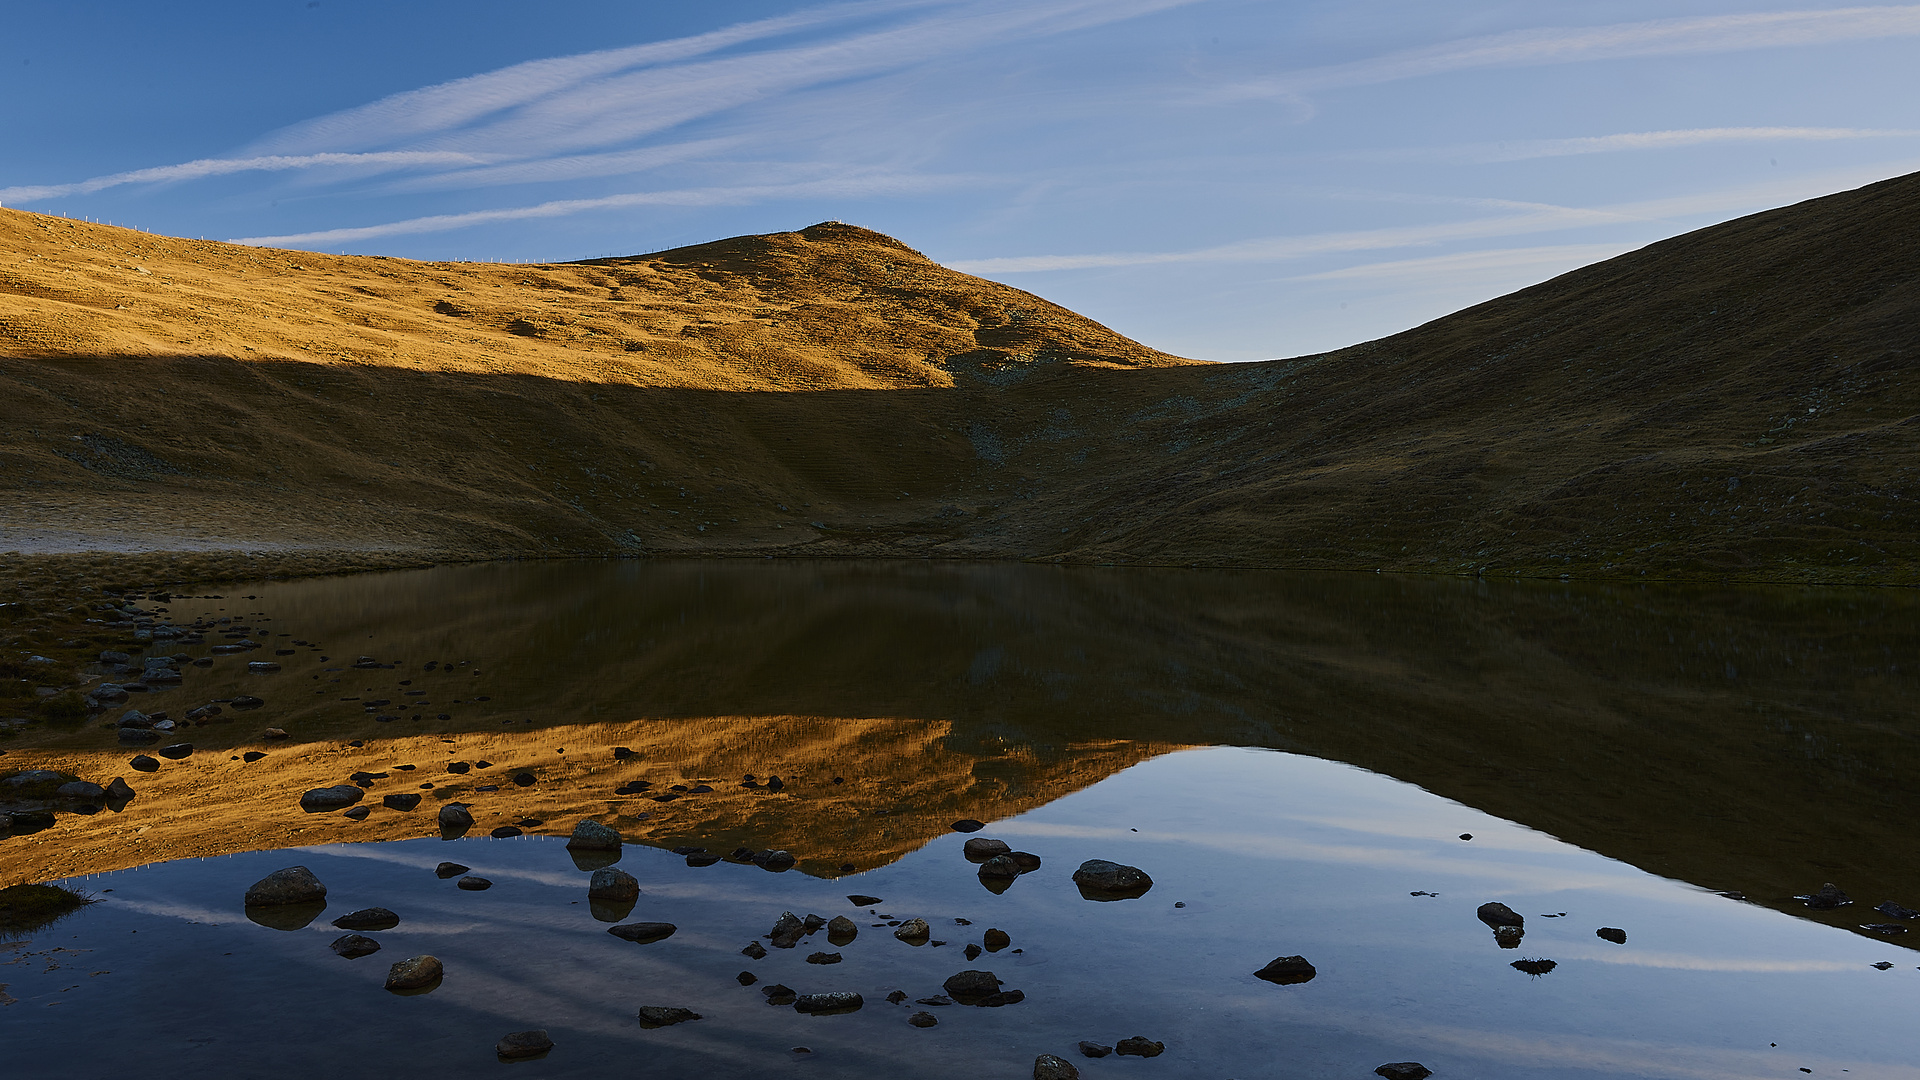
(1099, 879)
(787, 931)
(702, 860)
(1828, 898)
(1883, 965)
(971, 987)
(373, 918)
(843, 1001)
(293, 885)
(608, 883)
(778, 994)
(982, 848)
(358, 813)
(1049, 1067)
(1611, 933)
(937, 999)
(643, 933)
(754, 950)
(522, 1044)
(841, 930)
(657, 1016)
(331, 798)
(525, 779)
(923, 1020)
(1508, 937)
(1095, 1050)
(1496, 915)
(1887, 928)
(775, 861)
(251, 756)
(995, 940)
(973, 952)
(474, 883)
(414, 973)
(746, 978)
(1139, 1046)
(591, 835)
(863, 900)
(401, 800)
(999, 868)
(1287, 971)
(1404, 1070)
(1897, 911)
(504, 831)
(968, 825)
(354, 946)
(1534, 967)
(824, 958)
(450, 869)
(913, 931)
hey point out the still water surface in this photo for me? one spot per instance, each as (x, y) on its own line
(1619, 755)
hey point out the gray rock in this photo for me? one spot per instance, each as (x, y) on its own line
(590, 835)
(657, 1016)
(1099, 879)
(1287, 971)
(754, 950)
(608, 883)
(1497, 915)
(643, 933)
(354, 946)
(373, 918)
(522, 1044)
(1001, 867)
(923, 1020)
(913, 931)
(474, 883)
(135, 718)
(1095, 1050)
(1404, 1070)
(1049, 1067)
(293, 885)
(970, 986)
(1139, 1046)
(414, 973)
(80, 791)
(844, 1001)
(331, 798)
(981, 848)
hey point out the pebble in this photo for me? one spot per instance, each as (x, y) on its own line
(354, 946)
(373, 918)
(522, 1044)
(414, 973)
(118, 791)
(293, 885)
(474, 883)
(702, 860)
(775, 861)
(1139, 1046)
(525, 779)
(1000, 867)
(787, 931)
(655, 1016)
(1049, 1067)
(453, 816)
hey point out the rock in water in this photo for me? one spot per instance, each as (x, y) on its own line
(401, 800)
(999, 868)
(1828, 898)
(294, 885)
(657, 1016)
(611, 884)
(449, 869)
(590, 835)
(754, 950)
(824, 958)
(841, 930)
(913, 931)
(143, 763)
(779, 995)
(80, 791)
(1048, 1067)
(522, 1044)
(474, 883)
(1139, 1046)
(1611, 933)
(980, 848)
(1099, 879)
(1508, 937)
(415, 973)
(1497, 915)
(995, 940)
(973, 952)
(1287, 971)
(787, 931)
(778, 862)
(1095, 1050)
(119, 792)
(1897, 911)
(1404, 1070)
(330, 798)
(968, 825)
(1534, 967)
(373, 918)
(980, 988)
(863, 900)
(453, 816)
(827, 1004)
(923, 1020)
(354, 946)
(643, 933)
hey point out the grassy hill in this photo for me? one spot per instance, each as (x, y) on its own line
(1732, 403)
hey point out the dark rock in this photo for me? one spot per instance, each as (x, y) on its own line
(373, 918)
(1497, 915)
(1099, 879)
(778, 994)
(844, 1001)
(590, 835)
(415, 973)
(1508, 937)
(896, 997)
(358, 813)
(354, 946)
(787, 931)
(330, 798)
(1095, 1050)
(1049, 1067)
(746, 978)
(474, 883)
(504, 831)
(1404, 1070)
(621, 753)
(525, 779)
(293, 885)
(1828, 898)
(177, 751)
(702, 860)
(454, 816)
(968, 825)
(981, 848)
(937, 999)
(1139, 1046)
(143, 763)
(643, 933)
(913, 931)
(245, 701)
(754, 950)
(657, 1016)
(996, 940)
(610, 884)
(973, 951)
(401, 800)
(863, 900)
(1611, 933)
(1027, 861)
(1897, 911)
(119, 792)
(80, 791)
(136, 718)
(449, 869)
(1001, 867)
(1887, 928)
(841, 930)
(923, 1020)
(1882, 965)
(262, 667)
(138, 737)
(823, 958)
(251, 756)
(1287, 971)
(1534, 967)
(458, 767)
(740, 855)
(979, 988)
(522, 1044)
(774, 783)
(114, 656)
(775, 861)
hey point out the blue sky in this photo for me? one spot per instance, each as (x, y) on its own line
(1227, 179)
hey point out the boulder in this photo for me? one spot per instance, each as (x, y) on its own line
(354, 946)
(1497, 915)
(590, 835)
(1139, 1046)
(1099, 879)
(755, 951)
(1001, 867)
(330, 798)
(657, 1016)
(611, 884)
(1049, 1067)
(293, 885)
(415, 973)
(643, 933)
(373, 918)
(1287, 971)
(522, 1044)
(967, 987)
(844, 1001)
(453, 816)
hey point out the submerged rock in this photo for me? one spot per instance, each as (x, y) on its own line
(657, 1016)
(643, 933)
(522, 1044)
(973, 951)
(293, 885)
(1287, 971)
(1049, 1067)
(754, 950)
(995, 940)
(1095, 1050)
(415, 973)
(779, 995)
(354, 946)
(590, 835)
(373, 918)
(841, 930)
(1534, 967)
(1139, 1046)
(775, 861)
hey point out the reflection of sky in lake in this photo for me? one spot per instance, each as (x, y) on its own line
(1271, 854)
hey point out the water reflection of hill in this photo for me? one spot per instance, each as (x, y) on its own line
(1759, 740)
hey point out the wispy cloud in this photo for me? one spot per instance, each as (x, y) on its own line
(1545, 219)
(1475, 263)
(876, 184)
(1563, 45)
(1525, 149)
(205, 167)
(576, 167)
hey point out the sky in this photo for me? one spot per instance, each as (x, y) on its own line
(1222, 179)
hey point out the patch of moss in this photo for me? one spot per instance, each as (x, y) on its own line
(27, 908)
